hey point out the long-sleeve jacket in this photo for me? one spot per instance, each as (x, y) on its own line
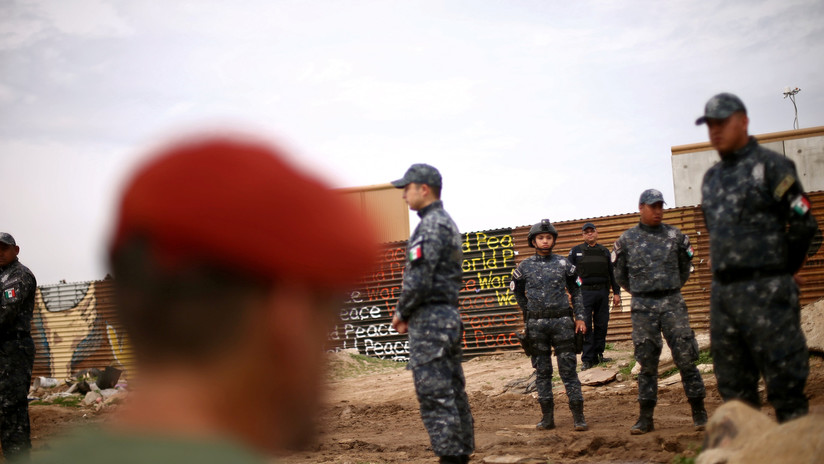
(542, 282)
(652, 259)
(749, 199)
(594, 266)
(433, 270)
(17, 301)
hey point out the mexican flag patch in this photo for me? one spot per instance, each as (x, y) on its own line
(10, 293)
(800, 205)
(690, 251)
(579, 281)
(415, 252)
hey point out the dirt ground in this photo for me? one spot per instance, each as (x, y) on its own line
(373, 417)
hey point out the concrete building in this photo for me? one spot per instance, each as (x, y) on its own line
(804, 146)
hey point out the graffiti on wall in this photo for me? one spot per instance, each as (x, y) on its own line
(486, 303)
(74, 330)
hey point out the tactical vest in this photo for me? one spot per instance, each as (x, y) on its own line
(593, 263)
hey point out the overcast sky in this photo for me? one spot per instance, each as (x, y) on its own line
(530, 109)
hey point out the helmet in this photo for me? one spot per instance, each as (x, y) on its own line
(543, 227)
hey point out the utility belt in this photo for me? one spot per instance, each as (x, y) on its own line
(657, 293)
(595, 287)
(738, 275)
(549, 313)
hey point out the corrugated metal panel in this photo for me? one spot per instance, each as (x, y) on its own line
(74, 328)
(487, 306)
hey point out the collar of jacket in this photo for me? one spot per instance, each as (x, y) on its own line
(437, 204)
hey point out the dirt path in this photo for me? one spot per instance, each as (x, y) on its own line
(374, 418)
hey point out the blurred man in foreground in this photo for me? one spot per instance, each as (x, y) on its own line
(228, 265)
(760, 227)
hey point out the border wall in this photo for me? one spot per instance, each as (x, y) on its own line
(74, 326)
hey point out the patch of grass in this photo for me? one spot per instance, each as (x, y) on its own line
(354, 365)
(627, 371)
(69, 402)
(704, 357)
(689, 456)
(609, 346)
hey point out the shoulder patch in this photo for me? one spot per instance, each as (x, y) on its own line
(572, 270)
(783, 186)
(579, 281)
(516, 274)
(800, 206)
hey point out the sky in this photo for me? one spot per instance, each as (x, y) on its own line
(530, 109)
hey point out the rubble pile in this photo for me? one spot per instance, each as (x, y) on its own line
(92, 388)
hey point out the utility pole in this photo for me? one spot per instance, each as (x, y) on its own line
(791, 93)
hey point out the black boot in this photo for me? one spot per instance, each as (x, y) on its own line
(699, 413)
(577, 408)
(548, 419)
(644, 423)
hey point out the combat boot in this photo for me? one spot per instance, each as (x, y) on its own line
(644, 423)
(548, 419)
(577, 408)
(699, 413)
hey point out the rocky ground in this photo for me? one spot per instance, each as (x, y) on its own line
(371, 415)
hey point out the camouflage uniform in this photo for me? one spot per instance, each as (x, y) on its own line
(749, 198)
(16, 357)
(429, 302)
(652, 264)
(540, 284)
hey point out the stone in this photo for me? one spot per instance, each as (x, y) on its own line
(92, 397)
(812, 323)
(737, 434)
(597, 376)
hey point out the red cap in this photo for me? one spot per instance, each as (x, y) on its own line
(237, 203)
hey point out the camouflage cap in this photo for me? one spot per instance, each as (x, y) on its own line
(419, 174)
(588, 225)
(721, 106)
(6, 238)
(651, 196)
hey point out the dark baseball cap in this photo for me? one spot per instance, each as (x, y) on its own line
(6, 238)
(419, 174)
(721, 106)
(588, 225)
(651, 196)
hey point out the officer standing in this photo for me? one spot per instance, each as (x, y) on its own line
(540, 283)
(16, 349)
(593, 263)
(428, 310)
(652, 262)
(760, 228)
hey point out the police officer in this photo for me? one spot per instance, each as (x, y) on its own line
(760, 230)
(540, 283)
(16, 349)
(592, 260)
(428, 310)
(652, 262)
